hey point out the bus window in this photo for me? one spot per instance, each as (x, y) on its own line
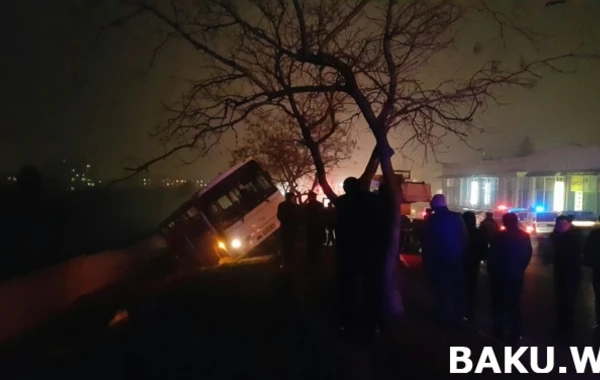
(237, 195)
(225, 203)
(262, 181)
(192, 212)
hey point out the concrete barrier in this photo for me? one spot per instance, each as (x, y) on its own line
(27, 301)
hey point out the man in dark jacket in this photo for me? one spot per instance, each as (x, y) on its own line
(288, 214)
(315, 222)
(489, 228)
(509, 256)
(359, 252)
(567, 247)
(443, 259)
(592, 259)
(331, 220)
(476, 250)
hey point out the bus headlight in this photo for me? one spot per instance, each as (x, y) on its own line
(236, 243)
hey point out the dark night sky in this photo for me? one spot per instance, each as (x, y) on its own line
(62, 97)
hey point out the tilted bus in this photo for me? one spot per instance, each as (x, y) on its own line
(234, 216)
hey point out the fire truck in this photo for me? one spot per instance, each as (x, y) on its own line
(411, 192)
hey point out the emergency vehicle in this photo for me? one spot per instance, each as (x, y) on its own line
(545, 221)
(411, 192)
(527, 217)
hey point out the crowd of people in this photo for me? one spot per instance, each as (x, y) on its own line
(454, 248)
(358, 225)
(355, 224)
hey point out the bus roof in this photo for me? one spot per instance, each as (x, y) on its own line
(187, 204)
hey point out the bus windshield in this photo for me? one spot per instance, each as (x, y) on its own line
(236, 195)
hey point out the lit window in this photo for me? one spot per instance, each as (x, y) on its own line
(578, 201)
(487, 193)
(474, 193)
(559, 196)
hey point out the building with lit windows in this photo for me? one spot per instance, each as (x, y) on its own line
(559, 179)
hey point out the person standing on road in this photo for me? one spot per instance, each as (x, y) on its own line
(592, 259)
(288, 214)
(490, 228)
(509, 256)
(314, 227)
(567, 244)
(331, 218)
(475, 253)
(443, 259)
(359, 252)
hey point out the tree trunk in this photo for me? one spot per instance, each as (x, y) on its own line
(315, 183)
(392, 300)
(370, 170)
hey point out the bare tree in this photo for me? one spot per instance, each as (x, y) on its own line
(275, 141)
(374, 57)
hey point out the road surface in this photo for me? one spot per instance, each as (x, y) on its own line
(252, 320)
(537, 304)
(239, 321)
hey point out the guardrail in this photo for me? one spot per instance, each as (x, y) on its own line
(30, 300)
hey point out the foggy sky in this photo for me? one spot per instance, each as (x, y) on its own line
(64, 97)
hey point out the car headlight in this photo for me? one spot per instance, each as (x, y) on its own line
(236, 243)
(221, 245)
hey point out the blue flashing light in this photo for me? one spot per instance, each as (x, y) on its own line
(539, 209)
